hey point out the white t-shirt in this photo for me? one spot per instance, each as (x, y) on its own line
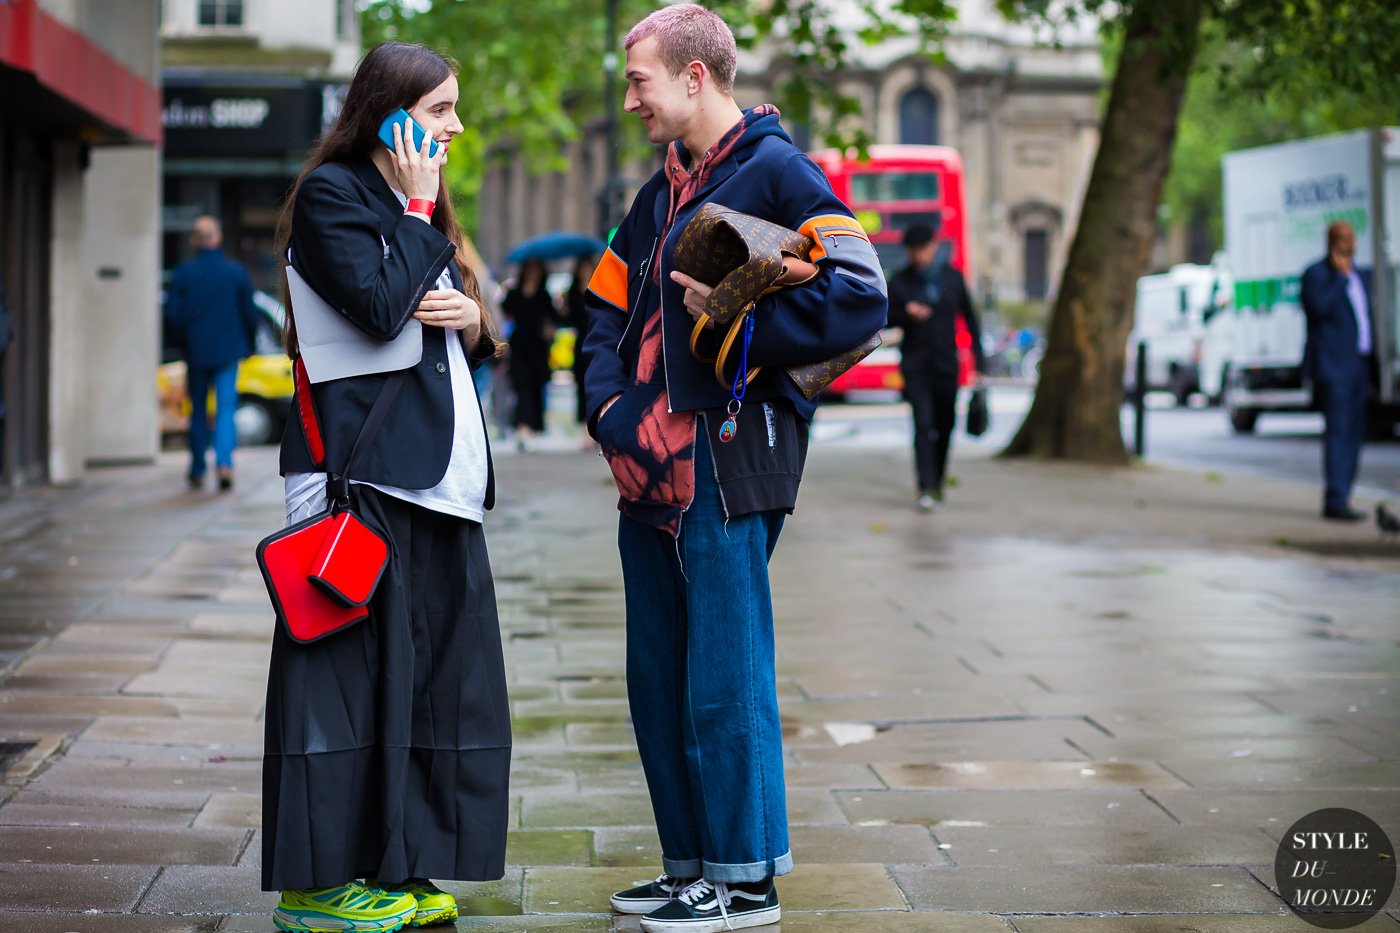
(462, 491)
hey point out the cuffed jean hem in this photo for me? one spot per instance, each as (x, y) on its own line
(689, 868)
(753, 871)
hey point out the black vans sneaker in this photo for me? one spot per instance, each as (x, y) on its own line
(714, 906)
(648, 897)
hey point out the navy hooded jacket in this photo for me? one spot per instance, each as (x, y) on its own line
(768, 177)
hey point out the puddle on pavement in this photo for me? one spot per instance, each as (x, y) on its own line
(12, 751)
(488, 907)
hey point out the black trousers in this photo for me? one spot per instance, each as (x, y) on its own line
(388, 744)
(932, 396)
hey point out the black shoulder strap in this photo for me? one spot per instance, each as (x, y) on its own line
(338, 484)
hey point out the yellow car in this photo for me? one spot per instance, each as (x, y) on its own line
(265, 386)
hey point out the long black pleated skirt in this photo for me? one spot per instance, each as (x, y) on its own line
(388, 744)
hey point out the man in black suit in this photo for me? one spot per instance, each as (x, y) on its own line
(926, 298)
(1337, 360)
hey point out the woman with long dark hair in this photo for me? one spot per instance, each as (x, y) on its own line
(388, 742)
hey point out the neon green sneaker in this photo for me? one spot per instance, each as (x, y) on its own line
(434, 904)
(350, 907)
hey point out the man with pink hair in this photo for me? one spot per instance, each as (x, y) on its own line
(708, 472)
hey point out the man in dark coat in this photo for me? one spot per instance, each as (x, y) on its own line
(926, 298)
(209, 305)
(1337, 359)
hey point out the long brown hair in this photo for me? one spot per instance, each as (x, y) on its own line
(390, 76)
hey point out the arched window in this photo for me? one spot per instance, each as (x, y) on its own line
(918, 117)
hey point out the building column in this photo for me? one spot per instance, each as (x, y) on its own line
(122, 304)
(67, 339)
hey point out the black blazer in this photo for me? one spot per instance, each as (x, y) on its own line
(354, 246)
(931, 345)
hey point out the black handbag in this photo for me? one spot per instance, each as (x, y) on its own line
(978, 420)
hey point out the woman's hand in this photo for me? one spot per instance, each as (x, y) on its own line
(449, 308)
(416, 171)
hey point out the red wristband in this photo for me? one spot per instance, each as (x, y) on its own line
(421, 206)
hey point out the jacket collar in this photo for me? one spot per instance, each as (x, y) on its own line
(366, 171)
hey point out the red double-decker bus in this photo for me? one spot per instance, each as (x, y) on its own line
(896, 187)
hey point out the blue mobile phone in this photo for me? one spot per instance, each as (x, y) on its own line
(386, 132)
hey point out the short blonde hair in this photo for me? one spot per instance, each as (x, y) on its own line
(687, 32)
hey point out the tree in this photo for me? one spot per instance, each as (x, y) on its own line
(1296, 46)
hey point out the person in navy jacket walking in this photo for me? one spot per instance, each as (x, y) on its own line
(209, 305)
(701, 510)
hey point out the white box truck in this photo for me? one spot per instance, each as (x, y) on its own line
(1278, 202)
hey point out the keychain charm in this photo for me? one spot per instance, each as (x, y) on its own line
(730, 427)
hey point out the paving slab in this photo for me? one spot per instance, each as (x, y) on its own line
(1086, 889)
(34, 922)
(1111, 808)
(1014, 775)
(30, 809)
(1029, 847)
(203, 889)
(74, 888)
(75, 845)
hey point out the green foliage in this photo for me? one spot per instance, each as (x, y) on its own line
(531, 74)
(1229, 107)
(532, 71)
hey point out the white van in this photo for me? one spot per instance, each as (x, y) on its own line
(1170, 316)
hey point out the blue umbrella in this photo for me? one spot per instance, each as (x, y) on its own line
(557, 244)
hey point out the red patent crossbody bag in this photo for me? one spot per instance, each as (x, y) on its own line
(322, 571)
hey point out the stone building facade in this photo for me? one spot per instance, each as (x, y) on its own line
(1023, 114)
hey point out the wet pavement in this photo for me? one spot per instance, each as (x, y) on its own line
(1073, 700)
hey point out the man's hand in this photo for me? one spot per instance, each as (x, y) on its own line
(920, 311)
(606, 405)
(696, 294)
(449, 308)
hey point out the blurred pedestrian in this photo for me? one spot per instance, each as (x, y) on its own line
(702, 504)
(926, 298)
(572, 314)
(1337, 359)
(209, 306)
(388, 742)
(531, 310)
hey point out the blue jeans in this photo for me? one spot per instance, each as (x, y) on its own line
(225, 383)
(702, 688)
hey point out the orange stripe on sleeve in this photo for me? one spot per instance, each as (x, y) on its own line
(609, 280)
(851, 227)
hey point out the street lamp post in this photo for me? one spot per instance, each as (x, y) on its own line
(608, 195)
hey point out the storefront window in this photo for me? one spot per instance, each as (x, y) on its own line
(221, 13)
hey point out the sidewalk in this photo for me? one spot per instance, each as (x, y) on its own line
(1075, 700)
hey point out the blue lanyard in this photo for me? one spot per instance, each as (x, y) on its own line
(730, 427)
